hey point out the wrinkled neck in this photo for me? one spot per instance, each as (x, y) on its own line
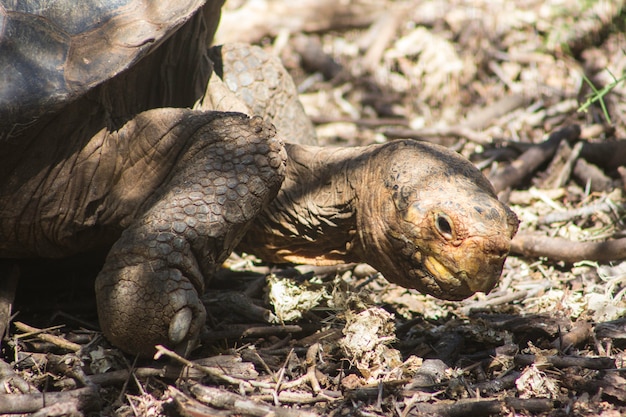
(313, 218)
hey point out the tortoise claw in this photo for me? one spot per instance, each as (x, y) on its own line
(180, 325)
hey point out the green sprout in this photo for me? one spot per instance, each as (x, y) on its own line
(598, 95)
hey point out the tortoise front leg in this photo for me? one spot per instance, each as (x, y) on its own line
(148, 292)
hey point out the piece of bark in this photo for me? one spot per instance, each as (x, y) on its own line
(66, 409)
(533, 245)
(497, 384)
(239, 404)
(608, 154)
(622, 174)
(614, 330)
(527, 163)
(241, 303)
(299, 397)
(10, 380)
(314, 59)
(483, 116)
(476, 408)
(237, 331)
(430, 133)
(568, 167)
(188, 407)
(614, 385)
(87, 398)
(568, 361)
(9, 276)
(258, 19)
(607, 207)
(377, 39)
(580, 333)
(46, 337)
(231, 365)
(494, 301)
(588, 173)
(553, 174)
(539, 324)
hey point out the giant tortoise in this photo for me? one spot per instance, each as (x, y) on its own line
(121, 129)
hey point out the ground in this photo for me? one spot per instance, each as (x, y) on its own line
(503, 83)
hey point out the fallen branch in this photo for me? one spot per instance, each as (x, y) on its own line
(606, 206)
(213, 372)
(86, 398)
(11, 381)
(472, 407)
(430, 132)
(496, 385)
(258, 19)
(588, 173)
(190, 407)
(8, 284)
(241, 331)
(567, 361)
(532, 159)
(46, 337)
(580, 333)
(606, 154)
(533, 245)
(222, 399)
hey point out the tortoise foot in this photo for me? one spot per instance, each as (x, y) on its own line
(149, 290)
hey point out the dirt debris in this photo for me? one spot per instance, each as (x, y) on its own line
(494, 80)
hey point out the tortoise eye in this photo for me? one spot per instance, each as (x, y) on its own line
(444, 226)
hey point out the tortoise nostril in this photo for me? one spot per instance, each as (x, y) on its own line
(499, 248)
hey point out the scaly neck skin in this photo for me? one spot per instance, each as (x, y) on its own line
(313, 219)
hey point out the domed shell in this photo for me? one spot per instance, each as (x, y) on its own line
(52, 52)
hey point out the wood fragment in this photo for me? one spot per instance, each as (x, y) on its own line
(258, 19)
(241, 331)
(223, 399)
(483, 116)
(614, 385)
(46, 337)
(9, 276)
(588, 173)
(580, 333)
(497, 384)
(606, 206)
(242, 304)
(300, 397)
(427, 133)
(568, 361)
(608, 154)
(313, 57)
(369, 122)
(229, 364)
(614, 330)
(568, 167)
(494, 301)
(472, 407)
(65, 409)
(11, 381)
(534, 245)
(532, 159)
(380, 34)
(87, 398)
(189, 407)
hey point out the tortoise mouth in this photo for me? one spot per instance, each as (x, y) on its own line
(455, 286)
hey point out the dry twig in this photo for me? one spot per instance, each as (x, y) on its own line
(532, 159)
(535, 245)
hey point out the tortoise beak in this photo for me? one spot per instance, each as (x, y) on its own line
(466, 270)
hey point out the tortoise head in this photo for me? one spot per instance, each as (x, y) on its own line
(437, 226)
